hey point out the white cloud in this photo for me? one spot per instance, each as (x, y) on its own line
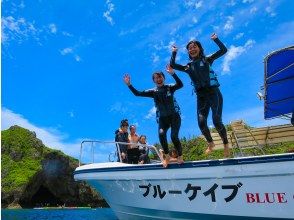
(53, 28)
(253, 10)
(248, 1)
(66, 51)
(118, 107)
(67, 34)
(194, 20)
(270, 11)
(238, 36)
(70, 50)
(229, 24)
(21, 5)
(231, 3)
(189, 3)
(106, 14)
(77, 58)
(155, 58)
(17, 29)
(233, 53)
(151, 113)
(198, 4)
(193, 4)
(50, 137)
(71, 114)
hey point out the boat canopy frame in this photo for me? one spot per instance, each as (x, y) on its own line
(279, 83)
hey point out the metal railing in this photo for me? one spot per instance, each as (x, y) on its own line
(117, 147)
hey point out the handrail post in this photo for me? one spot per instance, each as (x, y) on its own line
(92, 144)
(81, 151)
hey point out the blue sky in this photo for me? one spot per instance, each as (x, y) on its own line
(63, 62)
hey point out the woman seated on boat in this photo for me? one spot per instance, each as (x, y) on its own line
(133, 148)
(167, 109)
(144, 150)
(121, 135)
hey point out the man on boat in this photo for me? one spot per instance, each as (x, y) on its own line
(133, 148)
(121, 135)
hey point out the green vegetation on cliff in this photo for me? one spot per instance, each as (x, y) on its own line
(20, 161)
(33, 174)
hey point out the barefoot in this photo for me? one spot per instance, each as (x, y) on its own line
(180, 160)
(226, 152)
(209, 148)
(165, 161)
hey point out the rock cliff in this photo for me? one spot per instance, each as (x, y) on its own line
(34, 175)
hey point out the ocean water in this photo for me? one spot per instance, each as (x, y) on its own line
(58, 214)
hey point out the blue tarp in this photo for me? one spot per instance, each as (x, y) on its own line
(279, 83)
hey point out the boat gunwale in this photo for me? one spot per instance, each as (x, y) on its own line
(192, 164)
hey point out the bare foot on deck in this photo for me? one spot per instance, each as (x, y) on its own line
(226, 151)
(165, 161)
(180, 160)
(209, 148)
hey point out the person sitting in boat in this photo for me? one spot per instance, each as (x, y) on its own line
(144, 150)
(121, 135)
(167, 109)
(133, 148)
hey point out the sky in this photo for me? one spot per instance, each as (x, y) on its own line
(63, 62)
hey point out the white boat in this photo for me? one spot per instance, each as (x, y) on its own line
(244, 188)
(259, 187)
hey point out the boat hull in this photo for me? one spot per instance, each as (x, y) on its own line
(255, 188)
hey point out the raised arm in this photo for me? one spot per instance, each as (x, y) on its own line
(173, 63)
(222, 49)
(179, 83)
(145, 93)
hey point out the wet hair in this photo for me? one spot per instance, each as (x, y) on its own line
(124, 122)
(141, 137)
(158, 73)
(201, 52)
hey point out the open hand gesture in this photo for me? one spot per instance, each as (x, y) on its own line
(169, 69)
(213, 36)
(174, 48)
(127, 79)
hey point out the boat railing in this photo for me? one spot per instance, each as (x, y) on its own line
(242, 137)
(96, 151)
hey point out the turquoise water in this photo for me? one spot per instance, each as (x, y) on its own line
(58, 214)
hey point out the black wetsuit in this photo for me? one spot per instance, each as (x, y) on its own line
(122, 137)
(206, 87)
(167, 112)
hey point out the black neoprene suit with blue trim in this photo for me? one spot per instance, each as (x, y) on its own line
(167, 111)
(206, 88)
